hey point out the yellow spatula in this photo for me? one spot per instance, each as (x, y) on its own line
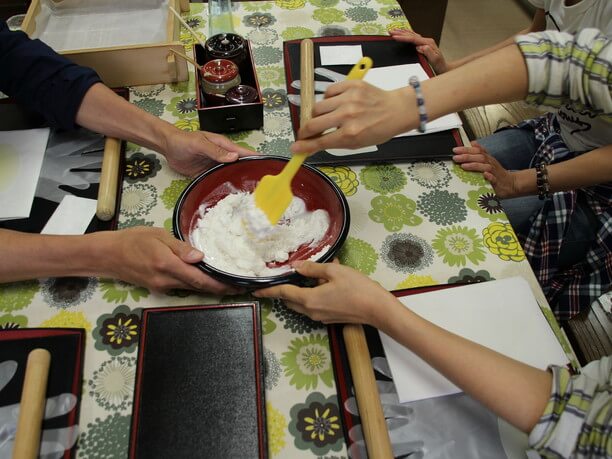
(273, 193)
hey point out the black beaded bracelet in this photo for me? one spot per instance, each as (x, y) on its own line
(542, 181)
(414, 82)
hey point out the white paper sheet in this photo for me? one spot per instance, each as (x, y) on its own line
(347, 152)
(340, 54)
(21, 156)
(90, 24)
(72, 216)
(502, 315)
(395, 77)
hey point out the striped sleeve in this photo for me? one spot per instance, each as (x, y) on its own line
(577, 421)
(569, 69)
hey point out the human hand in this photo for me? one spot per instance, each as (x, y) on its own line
(476, 158)
(152, 258)
(363, 115)
(425, 46)
(190, 153)
(342, 296)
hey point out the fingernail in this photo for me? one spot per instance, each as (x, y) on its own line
(195, 255)
(297, 263)
(456, 149)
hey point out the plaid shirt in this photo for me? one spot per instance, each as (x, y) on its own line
(573, 289)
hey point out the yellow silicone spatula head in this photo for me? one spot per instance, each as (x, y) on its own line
(273, 193)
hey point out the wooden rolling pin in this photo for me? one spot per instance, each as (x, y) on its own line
(32, 407)
(373, 422)
(107, 193)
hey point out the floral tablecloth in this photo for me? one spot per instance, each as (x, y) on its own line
(412, 224)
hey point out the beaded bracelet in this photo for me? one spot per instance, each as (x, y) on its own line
(414, 82)
(542, 181)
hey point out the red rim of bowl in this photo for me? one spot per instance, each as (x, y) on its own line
(260, 282)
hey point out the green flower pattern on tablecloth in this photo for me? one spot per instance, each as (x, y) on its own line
(406, 253)
(112, 385)
(262, 36)
(486, 203)
(138, 199)
(501, 241)
(117, 291)
(187, 124)
(358, 254)
(9, 321)
(171, 194)
(130, 222)
(316, 424)
(258, 20)
(118, 331)
(266, 55)
(294, 321)
(290, 4)
(307, 361)
(67, 319)
(369, 28)
(394, 212)
(277, 428)
(273, 369)
(342, 176)
(183, 106)
(460, 227)
(414, 280)
(329, 15)
(324, 3)
(332, 31)
(270, 75)
(432, 175)
(66, 292)
(383, 178)
(17, 295)
(469, 276)
(294, 33)
(153, 106)
(471, 178)
(442, 207)
(140, 167)
(274, 99)
(458, 244)
(361, 14)
(106, 438)
(278, 147)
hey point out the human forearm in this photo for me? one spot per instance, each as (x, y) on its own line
(104, 111)
(512, 390)
(587, 169)
(537, 24)
(27, 256)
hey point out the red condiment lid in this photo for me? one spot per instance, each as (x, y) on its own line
(219, 71)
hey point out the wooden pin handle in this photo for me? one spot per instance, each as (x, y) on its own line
(373, 422)
(107, 194)
(306, 79)
(32, 407)
(187, 58)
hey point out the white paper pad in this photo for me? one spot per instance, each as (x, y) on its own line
(395, 77)
(72, 216)
(502, 315)
(21, 156)
(340, 54)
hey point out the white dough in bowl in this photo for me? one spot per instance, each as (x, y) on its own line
(222, 233)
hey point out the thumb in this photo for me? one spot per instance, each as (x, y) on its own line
(312, 269)
(185, 251)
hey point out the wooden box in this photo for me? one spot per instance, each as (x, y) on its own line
(230, 118)
(129, 65)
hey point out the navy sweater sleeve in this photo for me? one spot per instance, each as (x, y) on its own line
(39, 78)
